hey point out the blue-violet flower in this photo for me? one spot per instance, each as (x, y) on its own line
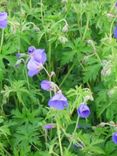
(47, 85)
(58, 101)
(35, 64)
(39, 55)
(83, 111)
(114, 137)
(34, 67)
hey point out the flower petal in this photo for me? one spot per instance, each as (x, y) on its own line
(33, 65)
(83, 111)
(39, 55)
(3, 24)
(31, 73)
(3, 16)
(58, 101)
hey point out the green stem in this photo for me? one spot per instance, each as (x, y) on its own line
(66, 76)
(76, 125)
(111, 27)
(74, 132)
(30, 3)
(27, 79)
(59, 138)
(49, 54)
(46, 72)
(2, 39)
(86, 28)
(84, 69)
(49, 76)
(95, 52)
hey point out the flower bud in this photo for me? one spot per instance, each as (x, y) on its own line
(63, 39)
(65, 28)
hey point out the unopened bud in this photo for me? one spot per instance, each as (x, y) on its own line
(65, 28)
(64, 1)
(52, 73)
(63, 39)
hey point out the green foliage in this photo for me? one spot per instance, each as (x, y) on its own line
(77, 36)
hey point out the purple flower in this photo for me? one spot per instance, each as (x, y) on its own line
(35, 64)
(47, 85)
(3, 20)
(34, 67)
(114, 137)
(49, 126)
(31, 49)
(39, 55)
(83, 111)
(115, 32)
(58, 101)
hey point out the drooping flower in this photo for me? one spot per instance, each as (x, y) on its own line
(3, 20)
(47, 85)
(49, 126)
(34, 67)
(115, 32)
(31, 49)
(58, 101)
(114, 137)
(83, 111)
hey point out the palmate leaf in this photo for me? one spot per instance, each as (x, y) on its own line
(91, 144)
(67, 57)
(75, 51)
(4, 130)
(26, 116)
(26, 135)
(18, 89)
(91, 72)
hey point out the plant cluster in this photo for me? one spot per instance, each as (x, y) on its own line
(60, 99)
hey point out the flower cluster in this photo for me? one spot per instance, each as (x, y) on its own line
(37, 59)
(35, 65)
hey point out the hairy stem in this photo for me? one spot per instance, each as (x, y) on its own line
(74, 131)
(59, 138)
(2, 39)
